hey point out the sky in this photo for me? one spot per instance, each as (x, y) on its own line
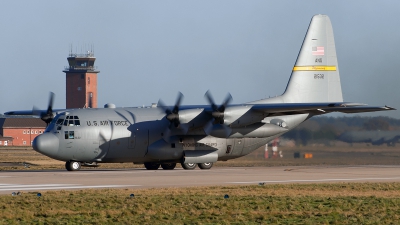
(147, 50)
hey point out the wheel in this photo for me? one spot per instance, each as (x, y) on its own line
(205, 166)
(152, 165)
(72, 165)
(168, 166)
(189, 166)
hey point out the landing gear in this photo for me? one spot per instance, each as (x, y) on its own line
(188, 166)
(72, 165)
(205, 166)
(168, 166)
(151, 165)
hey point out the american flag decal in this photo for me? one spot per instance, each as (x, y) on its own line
(318, 51)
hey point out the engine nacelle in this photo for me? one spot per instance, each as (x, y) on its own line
(200, 156)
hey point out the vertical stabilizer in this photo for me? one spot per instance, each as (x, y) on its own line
(315, 76)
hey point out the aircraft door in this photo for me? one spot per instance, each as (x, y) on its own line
(132, 141)
(138, 141)
(141, 142)
(239, 143)
(234, 146)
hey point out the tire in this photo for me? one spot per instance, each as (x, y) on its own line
(168, 166)
(151, 165)
(188, 166)
(72, 166)
(205, 166)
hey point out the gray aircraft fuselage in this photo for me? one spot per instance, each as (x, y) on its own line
(136, 135)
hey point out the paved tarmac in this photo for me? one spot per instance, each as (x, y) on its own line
(29, 181)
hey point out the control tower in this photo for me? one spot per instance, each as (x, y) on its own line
(81, 81)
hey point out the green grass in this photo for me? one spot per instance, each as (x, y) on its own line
(340, 203)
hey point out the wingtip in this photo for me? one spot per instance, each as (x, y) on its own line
(389, 108)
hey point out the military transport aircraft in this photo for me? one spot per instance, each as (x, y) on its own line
(199, 134)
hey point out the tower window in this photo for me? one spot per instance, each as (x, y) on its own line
(88, 80)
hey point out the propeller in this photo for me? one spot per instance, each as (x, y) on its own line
(216, 126)
(173, 116)
(218, 111)
(48, 115)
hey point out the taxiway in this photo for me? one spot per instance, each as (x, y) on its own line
(29, 181)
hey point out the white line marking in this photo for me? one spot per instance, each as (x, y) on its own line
(321, 180)
(36, 185)
(68, 187)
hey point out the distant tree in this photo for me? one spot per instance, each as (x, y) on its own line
(377, 123)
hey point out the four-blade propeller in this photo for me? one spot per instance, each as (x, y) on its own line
(216, 126)
(48, 115)
(173, 116)
(218, 111)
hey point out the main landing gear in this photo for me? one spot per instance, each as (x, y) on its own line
(192, 166)
(171, 166)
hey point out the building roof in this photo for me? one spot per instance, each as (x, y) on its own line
(5, 138)
(22, 123)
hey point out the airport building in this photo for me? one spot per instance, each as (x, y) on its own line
(20, 131)
(81, 81)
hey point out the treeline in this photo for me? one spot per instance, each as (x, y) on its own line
(323, 129)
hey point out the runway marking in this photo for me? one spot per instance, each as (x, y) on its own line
(16, 187)
(36, 185)
(320, 180)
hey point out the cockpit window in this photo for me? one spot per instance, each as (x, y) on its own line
(59, 121)
(72, 121)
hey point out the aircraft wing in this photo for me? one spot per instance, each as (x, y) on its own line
(31, 112)
(316, 108)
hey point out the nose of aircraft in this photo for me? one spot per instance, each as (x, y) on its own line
(47, 144)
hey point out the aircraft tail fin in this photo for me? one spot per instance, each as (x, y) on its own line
(315, 76)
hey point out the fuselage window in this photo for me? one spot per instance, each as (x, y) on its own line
(65, 122)
(77, 123)
(228, 149)
(71, 135)
(71, 123)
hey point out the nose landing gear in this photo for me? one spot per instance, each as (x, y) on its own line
(72, 165)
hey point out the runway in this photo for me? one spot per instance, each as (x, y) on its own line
(29, 181)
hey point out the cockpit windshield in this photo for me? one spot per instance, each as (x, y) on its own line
(63, 120)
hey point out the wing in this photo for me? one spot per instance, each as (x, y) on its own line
(33, 112)
(316, 108)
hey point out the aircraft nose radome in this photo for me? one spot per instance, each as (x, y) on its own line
(46, 144)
